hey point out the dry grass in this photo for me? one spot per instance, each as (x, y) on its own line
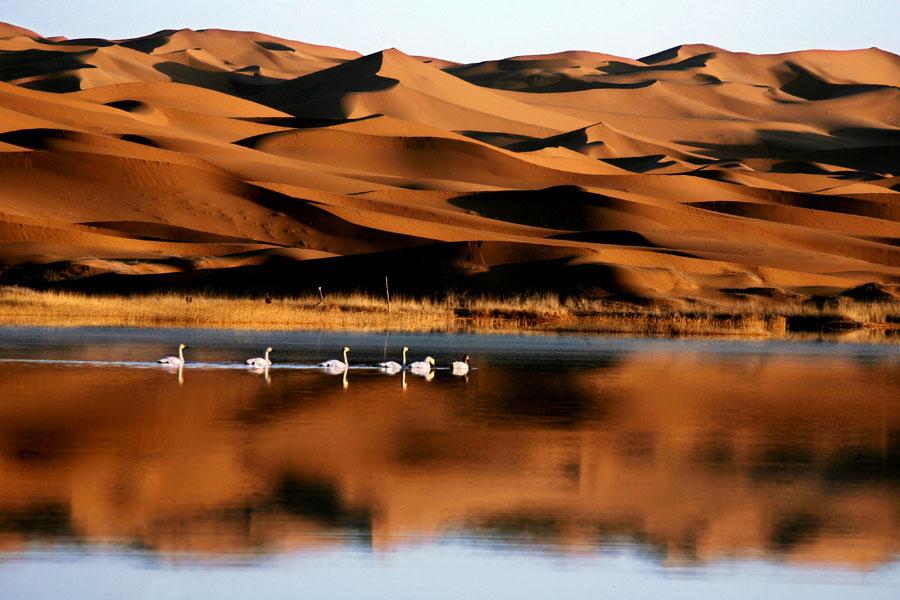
(880, 321)
(19, 306)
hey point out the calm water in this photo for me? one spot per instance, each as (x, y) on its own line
(566, 467)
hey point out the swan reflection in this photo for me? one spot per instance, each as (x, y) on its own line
(264, 371)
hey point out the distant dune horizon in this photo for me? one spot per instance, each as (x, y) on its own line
(238, 162)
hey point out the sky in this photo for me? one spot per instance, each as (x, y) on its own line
(473, 30)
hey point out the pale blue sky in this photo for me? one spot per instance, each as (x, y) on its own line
(470, 30)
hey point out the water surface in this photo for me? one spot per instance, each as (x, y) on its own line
(562, 466)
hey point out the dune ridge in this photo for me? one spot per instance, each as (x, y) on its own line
(696, 173)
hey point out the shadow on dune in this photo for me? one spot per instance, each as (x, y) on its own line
(692, 62)
(571, 84)
(617, 237)
(804, 84)
(662, 56)
(295, 123)
(864, 149)
(799, 166)
(874, 136)
(499, 138)
(553, 275)
(33, 63)
(641, 164)
(273, 46)
(520, 76)
(55, 85)
(431, 270)
(229, 82)
(96, 42)
(322, 94)
(36, 139)
(833, 203)
(559, 207)
(148, 43)
(147, 230)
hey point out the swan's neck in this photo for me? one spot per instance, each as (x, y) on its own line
(180, 353)
(404, 357)
(346, 363)
(267, 355)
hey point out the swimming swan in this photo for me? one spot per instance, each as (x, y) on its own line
(335, 366)
(461, 367)
(174, 361)
(394, 367)
(261, 363)
(422, 367)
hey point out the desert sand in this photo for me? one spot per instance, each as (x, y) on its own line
(238, 161)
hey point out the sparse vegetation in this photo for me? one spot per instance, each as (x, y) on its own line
(869, 321)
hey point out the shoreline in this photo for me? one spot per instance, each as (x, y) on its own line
(848, 321)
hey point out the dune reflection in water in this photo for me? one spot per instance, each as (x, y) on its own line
(684, 457)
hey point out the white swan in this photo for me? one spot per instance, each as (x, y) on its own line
(461, 367)
(392, 366)
(335, 366)
(261, 363)
(422, 367)
(174, 361)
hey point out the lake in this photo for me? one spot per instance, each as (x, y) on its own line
(561, 466)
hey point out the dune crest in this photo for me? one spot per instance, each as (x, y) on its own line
(8, 30)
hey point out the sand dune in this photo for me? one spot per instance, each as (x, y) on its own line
(397, 85)
(560, 72)
(237, 160)
(8, 30)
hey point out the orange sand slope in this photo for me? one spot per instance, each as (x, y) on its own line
(235, 160)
